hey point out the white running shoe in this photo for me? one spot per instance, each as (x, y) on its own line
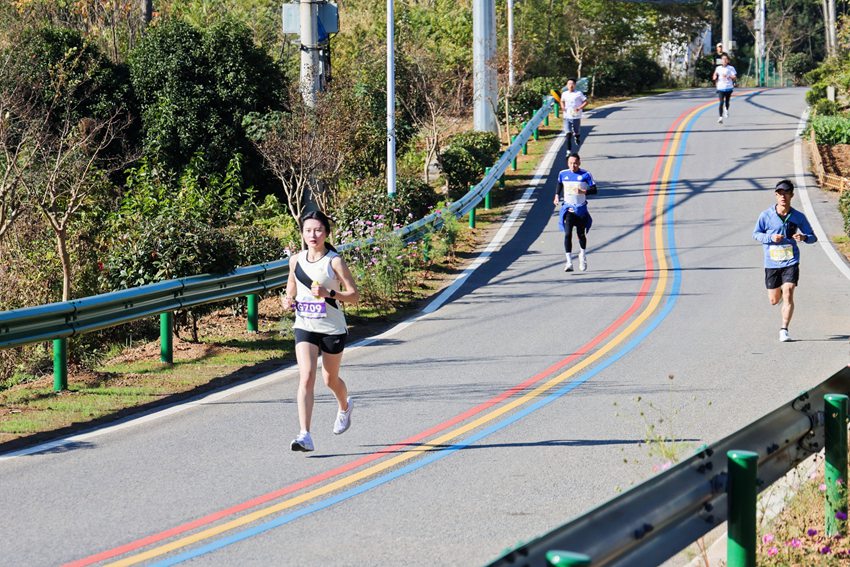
(568, 267)
(302, 443)
(726, 113)
(582, 262)
(784, 336)
(343, 420)
(720, 120)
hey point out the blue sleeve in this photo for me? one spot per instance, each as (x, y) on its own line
(760, 232)
(807, 229)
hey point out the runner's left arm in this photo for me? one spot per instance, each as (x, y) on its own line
(806, 231)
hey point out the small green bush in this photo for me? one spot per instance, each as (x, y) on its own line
(367, 199)
(844, 207)
(166, 248)
(815, 94)
(254, 245)
(797, 65)
(527, 98)
(465, 158)
(831, 130)
(825, 107)
(627, 74)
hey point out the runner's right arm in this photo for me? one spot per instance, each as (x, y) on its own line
(288, 298)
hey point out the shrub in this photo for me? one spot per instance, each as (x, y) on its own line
(825, 107)
(627, 74)
(831, 130)
(815, 94)
(844, 207)
(465, 158)
(527, 98)
(797, 65)
(254, 244)
(368, 200)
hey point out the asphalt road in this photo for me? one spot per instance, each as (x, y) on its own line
(504, 412)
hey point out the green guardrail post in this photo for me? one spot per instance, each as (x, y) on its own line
(835, 468)
(60, 365)
(536, 134)
(513, 161)
(471, 212)
(487, 195)
(566, 559)
(166, 337)
(741, 499)
(525, 145)
(546, 118)
(253, 312)
(557, 109)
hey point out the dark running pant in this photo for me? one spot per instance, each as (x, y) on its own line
(723, 97)
(573, 220)
(573, 129)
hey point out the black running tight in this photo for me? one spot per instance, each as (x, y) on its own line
(723, 97)
(573, 220)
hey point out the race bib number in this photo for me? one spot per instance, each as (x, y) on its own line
(572, 187)
(575, 113)
(781, 252)
(312, 309)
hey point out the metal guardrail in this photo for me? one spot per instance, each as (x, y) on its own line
(655, 520)
(66, 319)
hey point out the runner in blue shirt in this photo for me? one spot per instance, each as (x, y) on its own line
(779, 229)
(574, 184)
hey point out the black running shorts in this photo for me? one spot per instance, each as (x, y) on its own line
(775, 277)
(331, 344)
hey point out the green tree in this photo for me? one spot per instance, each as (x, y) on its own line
(195, 87)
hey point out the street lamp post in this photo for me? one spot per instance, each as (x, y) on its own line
(391, 169)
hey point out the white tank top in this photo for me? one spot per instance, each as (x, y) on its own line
(317, 314)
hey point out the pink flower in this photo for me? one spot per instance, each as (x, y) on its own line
(795, 543)
(767, 538)
(822, 487)
(772, 551)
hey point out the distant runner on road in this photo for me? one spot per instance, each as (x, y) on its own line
(724, 77)
(574, 184)
(572, 103)
(318, 280)
(780, 228)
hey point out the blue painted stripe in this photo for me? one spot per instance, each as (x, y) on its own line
(442, 453)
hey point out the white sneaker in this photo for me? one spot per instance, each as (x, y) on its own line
(302, 443)
(784, 336)
(726, 113)
(568, 267)
(343, 420)
(720, 120)
(582, 262)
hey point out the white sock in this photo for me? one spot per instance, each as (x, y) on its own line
(582, 252)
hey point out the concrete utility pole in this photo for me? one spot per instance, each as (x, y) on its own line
(147, 11)
(485, 87)
(309, 14)
(761, 69)
(727, 26)
(833, 40)
(510, 44)
(391, 170)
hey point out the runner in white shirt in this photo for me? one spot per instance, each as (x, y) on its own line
(724, 77)
(572, 103)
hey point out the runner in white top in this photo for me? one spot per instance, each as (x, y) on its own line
(318, 279)
(572, 103)
(724, 77)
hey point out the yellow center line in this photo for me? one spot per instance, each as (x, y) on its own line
(451, 435)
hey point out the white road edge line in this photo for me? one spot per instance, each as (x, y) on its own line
(540, 175)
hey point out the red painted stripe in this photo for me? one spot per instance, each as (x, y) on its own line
(520, 388)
